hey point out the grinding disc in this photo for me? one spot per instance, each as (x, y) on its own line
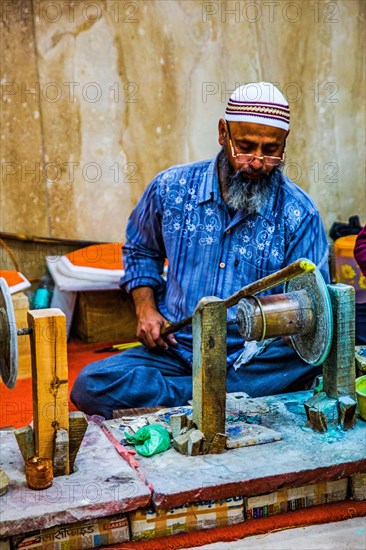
(314, 347)
(8, 337)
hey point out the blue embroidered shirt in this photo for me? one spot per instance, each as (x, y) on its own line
(181, 216)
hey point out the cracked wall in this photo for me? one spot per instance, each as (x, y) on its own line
(98, 97)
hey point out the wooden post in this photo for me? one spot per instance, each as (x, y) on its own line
(209, 367)
(49, 377)
(339, 370)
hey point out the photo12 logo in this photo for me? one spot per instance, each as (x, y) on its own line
(270, 11)
(320, 92)
(90, 172)
(53, 92)
(45, 11)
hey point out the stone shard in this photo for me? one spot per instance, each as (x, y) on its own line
(318, 420)
(346, 412)
(61, 464)
(218, 444)
(78, 425)
(25, 439)
(323, 413)
(195, 441)
(4, 482)
(180, 443)
(314, 400)
(177, 423)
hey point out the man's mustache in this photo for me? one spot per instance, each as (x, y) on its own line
(245, 174)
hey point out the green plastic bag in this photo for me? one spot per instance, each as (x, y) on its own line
(150, 440)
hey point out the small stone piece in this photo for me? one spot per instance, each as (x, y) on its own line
(180, 443)
(78, 425)
(191, 424)
(25, 439)
(218, 444)
(195, 441)
(346, 412)
(318, 420)
(177, 423)
(61, 453)
(323, 413)
(4, 482)
(137, 425)
(313, 401)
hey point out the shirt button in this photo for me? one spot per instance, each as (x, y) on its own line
(222, 264)
(228, 231)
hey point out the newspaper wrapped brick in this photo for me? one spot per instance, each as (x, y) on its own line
(358, 486)
(147, 523)
(293, 498)
(84, 534)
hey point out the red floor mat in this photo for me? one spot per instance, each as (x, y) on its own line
(16, 404)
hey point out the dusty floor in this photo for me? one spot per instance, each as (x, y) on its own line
(342, 535)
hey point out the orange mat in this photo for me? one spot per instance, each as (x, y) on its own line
(16, 404)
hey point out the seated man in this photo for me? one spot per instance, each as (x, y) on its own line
(222, 223)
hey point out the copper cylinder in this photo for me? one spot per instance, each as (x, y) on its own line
(275, 315)
(38, 472)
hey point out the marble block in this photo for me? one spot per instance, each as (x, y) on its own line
(302, 457)
(103, 484)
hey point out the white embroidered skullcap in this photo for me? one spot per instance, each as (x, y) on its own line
(259, 102)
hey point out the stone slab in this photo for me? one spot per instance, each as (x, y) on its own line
(102, 485)
(301, 457)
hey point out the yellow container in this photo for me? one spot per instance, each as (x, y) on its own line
(347, 270)
(361, 395)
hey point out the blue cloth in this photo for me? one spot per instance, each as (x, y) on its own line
(142, 378)
(182, 217)
(361, 324)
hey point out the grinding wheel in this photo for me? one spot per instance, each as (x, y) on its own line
(8, 337)
(314, 346)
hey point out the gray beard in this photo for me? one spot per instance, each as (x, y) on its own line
(239, 192)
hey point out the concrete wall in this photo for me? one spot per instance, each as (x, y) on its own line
(98, 96)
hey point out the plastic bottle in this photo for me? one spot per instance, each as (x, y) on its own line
(43, 295)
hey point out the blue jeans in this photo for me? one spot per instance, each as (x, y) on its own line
(139, 377)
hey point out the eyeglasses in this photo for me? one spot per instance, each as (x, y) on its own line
(244, 158)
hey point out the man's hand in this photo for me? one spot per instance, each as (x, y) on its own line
(150, 321)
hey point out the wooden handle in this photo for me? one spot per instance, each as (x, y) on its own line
(266, 283)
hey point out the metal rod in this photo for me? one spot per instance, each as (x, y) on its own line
(266, 283)
(23, 331)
